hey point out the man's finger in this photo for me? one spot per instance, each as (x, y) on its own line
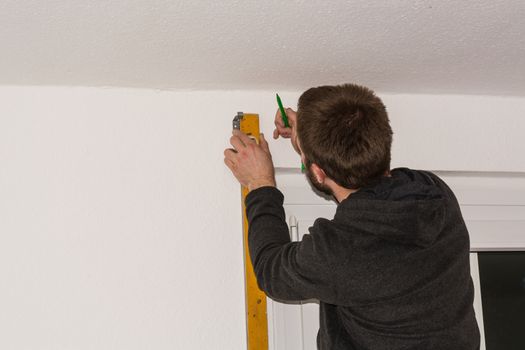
(284, 132)
(236, 142)
(243, 137)
(264, 144)
(279, 119)
(230, 154)
(229, 163)
(292, 117)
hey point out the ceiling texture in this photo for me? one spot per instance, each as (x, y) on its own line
(441, 46)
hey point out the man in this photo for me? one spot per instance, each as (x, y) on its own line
(391, 269)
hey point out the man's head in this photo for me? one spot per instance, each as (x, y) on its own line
(344, 130)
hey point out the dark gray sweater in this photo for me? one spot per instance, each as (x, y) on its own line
(391, 269)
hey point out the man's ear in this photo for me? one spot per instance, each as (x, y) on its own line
(318, 173)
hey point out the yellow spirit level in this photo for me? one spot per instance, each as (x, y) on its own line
(256, 319)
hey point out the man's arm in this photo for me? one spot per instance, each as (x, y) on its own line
(285, 270)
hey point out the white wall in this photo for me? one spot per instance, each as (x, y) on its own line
(120, 226)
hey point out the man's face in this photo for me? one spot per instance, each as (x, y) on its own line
(316, 184)
(309, 175)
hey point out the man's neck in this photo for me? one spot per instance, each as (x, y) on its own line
(340, 193)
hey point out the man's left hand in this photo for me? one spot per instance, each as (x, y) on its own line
(250, 163)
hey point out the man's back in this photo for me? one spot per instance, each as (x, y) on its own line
(391, 270)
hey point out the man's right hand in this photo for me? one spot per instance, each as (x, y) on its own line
(287, 133)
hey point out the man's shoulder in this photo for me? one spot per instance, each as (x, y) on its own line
(426, 177)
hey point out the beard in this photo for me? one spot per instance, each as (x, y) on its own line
(317, 185)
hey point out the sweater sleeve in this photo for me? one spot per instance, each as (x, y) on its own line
(285, 270)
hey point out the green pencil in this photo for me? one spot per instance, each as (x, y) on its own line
(283, 113)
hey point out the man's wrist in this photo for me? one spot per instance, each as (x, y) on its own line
(261, 183)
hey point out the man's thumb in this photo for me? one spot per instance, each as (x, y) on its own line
(264, 143)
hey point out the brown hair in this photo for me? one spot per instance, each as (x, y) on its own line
(345, 130)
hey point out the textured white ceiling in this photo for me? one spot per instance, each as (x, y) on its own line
(442, 46)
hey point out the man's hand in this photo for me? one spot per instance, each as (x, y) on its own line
(250, 163)
(287, 133)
